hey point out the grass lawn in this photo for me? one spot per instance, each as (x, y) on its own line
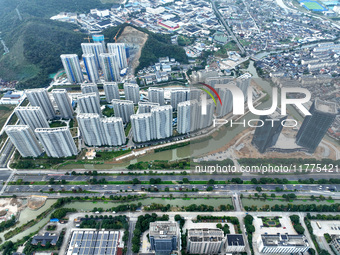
(271, 221)
(313, 5)
(108, 155)
(67, 87)
(5, 112)
(183, 40)
(245, 42)
(230, 46)
(127, 129)
(108, 112)
(206, 182)
(74, 131)
(57, 123)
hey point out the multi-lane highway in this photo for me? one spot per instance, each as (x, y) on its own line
(191, 177)
(129, 188)
(122, 184)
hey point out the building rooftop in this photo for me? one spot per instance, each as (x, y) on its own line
(112, 120)
(92, 94)
(16, 127)
(161, 108)
(235, 240)
(102, 242)
(57, 129)
(284, 239)
(140, 116)
(155, 89)
(275, 115)
(163, 229)
(59, 90)
(205, 234)
(326, 107)
(47, 237)
(119, 101)
(148, 103)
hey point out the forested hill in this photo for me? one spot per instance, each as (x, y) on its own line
(41, 9)
(36, 42)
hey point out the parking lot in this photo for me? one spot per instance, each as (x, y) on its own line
(332, 227)
(286, 227)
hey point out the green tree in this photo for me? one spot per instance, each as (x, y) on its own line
(185, 180)
(135, 181)
(211, 181)
(299, 229)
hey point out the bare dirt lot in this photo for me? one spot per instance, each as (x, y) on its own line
(9, 207)
(35, 202)
(249, 151)
(135, 39)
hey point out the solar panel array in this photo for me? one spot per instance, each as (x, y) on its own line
(87, 242)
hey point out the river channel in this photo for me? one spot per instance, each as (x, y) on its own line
(28, 214)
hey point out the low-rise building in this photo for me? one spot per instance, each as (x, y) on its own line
(335, 243)
(13, 97)
(282, 244)
(234, 243)
(47, 237)
(93, 242)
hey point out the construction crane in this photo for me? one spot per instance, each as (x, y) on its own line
(88, 38)
(115, 38)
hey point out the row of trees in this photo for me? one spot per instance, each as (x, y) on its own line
(323, 217)
(156, 207)
(160, 164)
(189, 208)
(248, 222)
(142, 225)
(61, 213)
(269, 181)
(7, 224)
(316, 244)
(117, 222)
(296, 208)
(211, 218)
(224, 227)
(127, 207)
(296, 224)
